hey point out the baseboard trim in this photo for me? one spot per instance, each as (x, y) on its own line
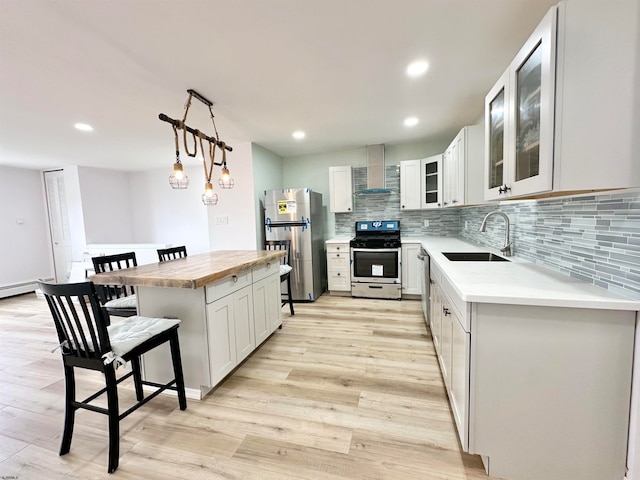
(18, 289)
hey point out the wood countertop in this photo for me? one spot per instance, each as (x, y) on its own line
(190, 272)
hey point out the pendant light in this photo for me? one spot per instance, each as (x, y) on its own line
(178, 179)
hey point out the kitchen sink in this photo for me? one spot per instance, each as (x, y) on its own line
(474, 257)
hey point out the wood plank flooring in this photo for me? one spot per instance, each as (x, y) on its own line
(348, 389)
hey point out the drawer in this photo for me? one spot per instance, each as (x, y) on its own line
(338, 261)
(228, 285)
(461, 307)
(338, 248)
(264, 270)
(339, 282)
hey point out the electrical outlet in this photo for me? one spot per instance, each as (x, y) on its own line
(222, 220)
(425, 223)
(466, 225)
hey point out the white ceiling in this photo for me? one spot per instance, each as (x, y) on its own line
(333, 68)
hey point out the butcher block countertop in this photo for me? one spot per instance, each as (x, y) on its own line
(190, 272)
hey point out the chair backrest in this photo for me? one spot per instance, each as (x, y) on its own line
(81, 323)
(109, 263)
(280, 245)
(172, 253)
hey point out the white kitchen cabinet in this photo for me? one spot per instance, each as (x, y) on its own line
(221, 334)
(340, 189)
(519, 119)
(338, 267)
(411, 278)
(463, 163)
(410, 193)
(525, 383)
(266, 300)
(459, 382)
(431, 180)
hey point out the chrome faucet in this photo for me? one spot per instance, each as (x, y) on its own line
(506, 250)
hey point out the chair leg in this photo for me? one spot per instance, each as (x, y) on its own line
(114, 421)
(137, 378)
(177, 369)
(289, 295)
(69, 410)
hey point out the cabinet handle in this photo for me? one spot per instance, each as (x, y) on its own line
(402, 206)
(454, 201)
(338, 274)
(439, 205)
(504, 189)
(235, 279)
(446, 311)
(445, 203)
(268, 265)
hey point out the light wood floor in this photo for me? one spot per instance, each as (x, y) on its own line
(348, 389)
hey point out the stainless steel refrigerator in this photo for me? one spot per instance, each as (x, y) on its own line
(296, 214)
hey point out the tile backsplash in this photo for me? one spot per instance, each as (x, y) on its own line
(594, 238)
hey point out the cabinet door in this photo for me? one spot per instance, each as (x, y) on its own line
(431, 182)
(411, 281)
(459, 390)
(436, 316)
(455, 171)
(222, 337)
(274, 303)
(245, 341)
(340, 189)
(445, 343)
(261, 302)
(532, 79)
(496, 119)
(410, 185)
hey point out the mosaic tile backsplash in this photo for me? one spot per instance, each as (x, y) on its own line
(593, 238)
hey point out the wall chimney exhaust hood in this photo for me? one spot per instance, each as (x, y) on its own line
(375, 171)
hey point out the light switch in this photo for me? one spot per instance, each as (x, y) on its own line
(425, 223)
(19, 221)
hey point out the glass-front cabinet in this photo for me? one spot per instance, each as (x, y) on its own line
(519, 119)
(431, 180)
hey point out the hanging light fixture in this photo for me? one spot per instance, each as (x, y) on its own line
(178, 178)
(225, 181)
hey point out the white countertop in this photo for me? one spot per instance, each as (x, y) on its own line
(517, 282)
(339, 240)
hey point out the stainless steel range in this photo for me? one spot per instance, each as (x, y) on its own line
(375, 260)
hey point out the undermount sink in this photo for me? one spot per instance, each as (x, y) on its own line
(474, 257)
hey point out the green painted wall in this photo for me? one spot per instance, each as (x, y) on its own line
(267, 175)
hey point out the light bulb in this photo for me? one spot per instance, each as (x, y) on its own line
(178, 179)
(209, 197)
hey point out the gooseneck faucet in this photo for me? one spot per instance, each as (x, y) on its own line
(506, 250)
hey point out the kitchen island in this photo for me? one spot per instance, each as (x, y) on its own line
(537, 365)
(228, 303)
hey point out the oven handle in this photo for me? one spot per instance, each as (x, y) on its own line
(361, 249)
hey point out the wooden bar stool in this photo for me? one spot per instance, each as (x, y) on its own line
(171, 253)
(285, 267)
(87, 341)
(119, 300)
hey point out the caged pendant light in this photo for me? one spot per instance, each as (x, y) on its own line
(179, 179)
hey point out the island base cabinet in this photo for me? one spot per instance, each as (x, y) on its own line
(266, 300)
(550, 391)
(189, 306)
(221, 333)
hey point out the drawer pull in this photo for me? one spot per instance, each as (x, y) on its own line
(235, 279)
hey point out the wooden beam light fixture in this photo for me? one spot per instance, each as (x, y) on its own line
(178, 178)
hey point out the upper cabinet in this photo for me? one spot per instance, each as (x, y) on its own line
(431, 180)
(410, 185)
(563, 117)
(463, 160)
(340, 189)
(451, 179)
(519, 119)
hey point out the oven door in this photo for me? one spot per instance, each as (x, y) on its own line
(375, 265)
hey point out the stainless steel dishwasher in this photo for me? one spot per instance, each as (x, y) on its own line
(423, 258)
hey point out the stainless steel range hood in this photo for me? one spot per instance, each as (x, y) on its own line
(376, 183)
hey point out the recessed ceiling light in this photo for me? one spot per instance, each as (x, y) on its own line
(298, 135)
(410, 122)
(417, 68)
(84, 127)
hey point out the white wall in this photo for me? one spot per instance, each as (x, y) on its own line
(236, 206)
(267, 175)
(161, 214)
(106, 205)
(25, 250)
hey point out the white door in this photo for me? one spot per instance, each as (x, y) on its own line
(58, 223)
